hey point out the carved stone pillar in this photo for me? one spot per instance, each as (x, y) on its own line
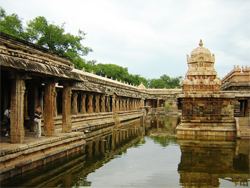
(26, 114)
(66, 108)
(83, 105)
(90, 103)
(74, 104)
(49, 127)
(108, 103)
(133, 104)
(117, 104)
(17, 111)
(142, 103)
(41, 101)
(127, 104)
(122, 104)
(113, 103)
(55, 104)
(158, 103)
(97, 103)
(103, 103)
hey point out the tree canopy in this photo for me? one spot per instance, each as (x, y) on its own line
(43, 33)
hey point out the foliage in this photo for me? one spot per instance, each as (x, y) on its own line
(48, 35)
(164, 141)
(11, 24)
(165, 82)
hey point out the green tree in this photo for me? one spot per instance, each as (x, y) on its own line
(111, 70)
(53, 37)
(165, 82)
(48, 35)
(11, 24)
(157, 83)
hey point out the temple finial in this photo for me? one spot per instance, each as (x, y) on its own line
(201, 43)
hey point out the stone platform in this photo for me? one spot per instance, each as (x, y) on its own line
(18, 158)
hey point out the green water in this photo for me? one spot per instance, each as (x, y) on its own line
(148, 155)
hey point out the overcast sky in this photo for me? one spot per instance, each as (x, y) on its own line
(150, 37)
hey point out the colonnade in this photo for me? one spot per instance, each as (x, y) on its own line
(89, 102)
(26, 95)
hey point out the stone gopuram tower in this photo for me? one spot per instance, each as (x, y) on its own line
(205, 110)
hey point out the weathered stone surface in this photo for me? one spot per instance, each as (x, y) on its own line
(237, 79)
(205, 110)
(17, 112)
(201, 75)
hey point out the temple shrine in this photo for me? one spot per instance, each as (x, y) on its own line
(205, 109)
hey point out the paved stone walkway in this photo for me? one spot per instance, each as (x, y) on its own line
(32, 141)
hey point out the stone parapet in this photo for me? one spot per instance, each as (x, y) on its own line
(237, 79)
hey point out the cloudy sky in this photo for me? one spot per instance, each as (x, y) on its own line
(150, 37)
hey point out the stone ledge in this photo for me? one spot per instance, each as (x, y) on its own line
(44, 141)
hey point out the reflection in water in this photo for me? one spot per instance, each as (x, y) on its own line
(146, 155)
(73, 169)
(204, 161)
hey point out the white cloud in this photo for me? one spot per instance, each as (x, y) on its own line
(149, 37)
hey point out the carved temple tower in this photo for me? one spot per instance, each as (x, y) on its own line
(205, 110)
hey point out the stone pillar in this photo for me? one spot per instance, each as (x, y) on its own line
(49, 127)
(158, 103)
(26, 114)
(113, 103)
(136, 104)
(108, 103)
(66, 108)
(103, 103)
(120, 103)
(74, 104)
(97, 103)
(90, 103)
(55, 104)
(117, 104)
(131, 104)
(123, 105)
(41, 101)
(127, 104)
(83, 105)
(142, 103)
(17, 111)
